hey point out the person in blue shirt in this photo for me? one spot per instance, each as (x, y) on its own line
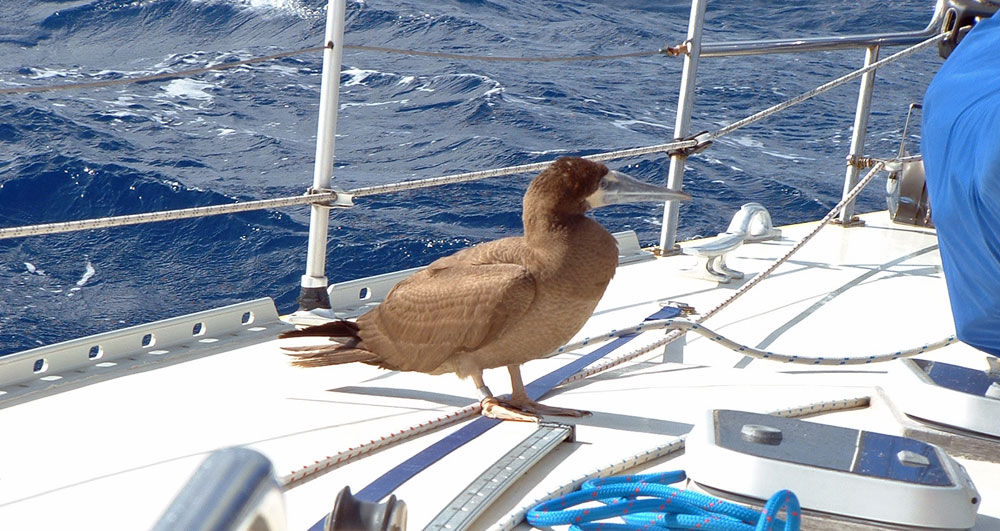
(961, 151)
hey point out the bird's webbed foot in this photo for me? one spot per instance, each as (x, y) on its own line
(524, 410)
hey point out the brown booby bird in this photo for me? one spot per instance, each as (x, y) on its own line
(502, 302)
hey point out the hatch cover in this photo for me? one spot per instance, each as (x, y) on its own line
(843, 471)
(959, 397)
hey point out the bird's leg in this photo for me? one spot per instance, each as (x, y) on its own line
(492, 406)
(520, 407)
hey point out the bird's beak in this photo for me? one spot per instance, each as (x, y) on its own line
(616, 188)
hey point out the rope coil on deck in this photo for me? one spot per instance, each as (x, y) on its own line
(515, 517)
(660, 506)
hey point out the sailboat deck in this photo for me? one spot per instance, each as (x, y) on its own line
(114, 455)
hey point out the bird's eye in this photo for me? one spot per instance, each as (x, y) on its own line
(604, 184)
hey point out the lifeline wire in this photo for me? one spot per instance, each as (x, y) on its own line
(234, 64)
(166, 215)
(670, 146)
(820, 89)
(450, 179)
(161, 76)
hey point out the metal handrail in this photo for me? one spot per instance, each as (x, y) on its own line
(812, 44)
(709, 50)
(695, 50)
(330, 198)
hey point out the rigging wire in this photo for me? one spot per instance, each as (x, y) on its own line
(676, 334)
(160, 76)
(698, 140)
(671, 51)
(165, 215)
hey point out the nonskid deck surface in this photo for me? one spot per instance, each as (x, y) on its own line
(114, 454)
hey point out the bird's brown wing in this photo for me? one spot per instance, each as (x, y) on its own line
(451, 307)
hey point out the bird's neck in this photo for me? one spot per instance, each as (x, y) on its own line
(570, 239)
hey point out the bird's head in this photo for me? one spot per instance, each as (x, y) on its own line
(572, 185)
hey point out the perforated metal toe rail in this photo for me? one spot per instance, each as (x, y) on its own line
(55, 368)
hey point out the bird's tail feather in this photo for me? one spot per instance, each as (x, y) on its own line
(328, 355)
(333, 329)
(345, 336)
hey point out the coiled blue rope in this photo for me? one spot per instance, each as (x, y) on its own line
(646, 501)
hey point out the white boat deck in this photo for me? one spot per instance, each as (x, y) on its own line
(113, 455)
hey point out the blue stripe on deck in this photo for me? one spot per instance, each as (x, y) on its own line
(391, 480)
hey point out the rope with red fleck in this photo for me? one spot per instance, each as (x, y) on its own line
(331, 462)
(676, 334)
(646, 501)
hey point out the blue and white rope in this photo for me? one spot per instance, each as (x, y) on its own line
(663, 450)
(689, 326)
(647, 501)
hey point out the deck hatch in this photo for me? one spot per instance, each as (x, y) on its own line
(957, 378)
(831, 447)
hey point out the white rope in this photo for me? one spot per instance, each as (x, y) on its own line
(515, 517)
(820, 89)
(670, 146)
(676, 334)
(511, 170)
(351, 454)
(116, 221)
(166, 215)
(822, 223)
(689, 326)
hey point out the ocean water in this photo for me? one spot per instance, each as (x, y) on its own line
(249, 133)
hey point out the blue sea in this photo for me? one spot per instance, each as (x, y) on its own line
(249, 133)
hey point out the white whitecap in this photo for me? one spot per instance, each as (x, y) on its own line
(746, 141)
(624, 124)
(795, 158)
(356, 76)
(46, 73)
(87, 274)
(31, 267)
(188, 88)
(375, 104)
(291, 7)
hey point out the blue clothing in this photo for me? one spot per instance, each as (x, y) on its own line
(961, 150)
